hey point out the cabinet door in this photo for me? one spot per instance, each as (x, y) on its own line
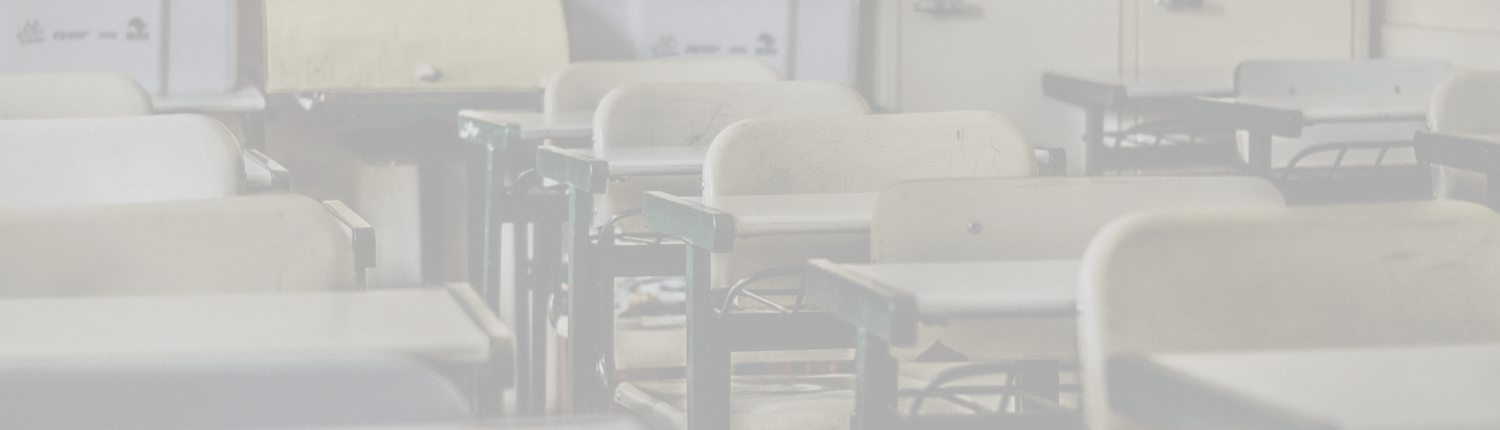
(990, 55)
(1222, 33)
(412, 45)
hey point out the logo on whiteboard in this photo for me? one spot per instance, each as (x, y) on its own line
(666, 46)
(137, 30)
(767, 44)
(32, 33)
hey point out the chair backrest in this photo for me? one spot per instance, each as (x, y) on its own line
(1409, 78)
(849, 154)
(580, 86)
(244, 391)
(692, 114)
(267, 243)
(117, 160)
(71, 95)
(1034, 218)
(862, 153)
(1467, 104)
(1313, 277)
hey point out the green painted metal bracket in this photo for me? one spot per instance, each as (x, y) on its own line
(882, 311)
(689, 221)
(1280, 122)
(499, 136)
(572, 168)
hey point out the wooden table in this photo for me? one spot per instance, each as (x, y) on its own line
(449, 327)
(885, 303)
(1409, 387)
(1097, 93)
(1476, 152)
(1263, 119)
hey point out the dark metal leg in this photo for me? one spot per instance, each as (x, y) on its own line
(1040, 378)
(531, 373)
(707, 359)
(875, 388)
(1260, 154)
(590, 313)
(546, 261)
(1093, 140)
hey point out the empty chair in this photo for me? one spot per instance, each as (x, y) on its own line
(1029, 219)
(48, 162)
(862, 154)
(677, 115)
(71, 95)
(1467, 104)
(280, 242)
(103, 94)
(803, 156)
(244, 391)
(1321, 277)
(581, 86)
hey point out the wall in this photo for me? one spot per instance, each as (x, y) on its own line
(1465, 32)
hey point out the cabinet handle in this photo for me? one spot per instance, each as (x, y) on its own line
(1180, 4)
(429, 74)
(947, 7)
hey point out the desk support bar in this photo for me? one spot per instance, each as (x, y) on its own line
(686, 219)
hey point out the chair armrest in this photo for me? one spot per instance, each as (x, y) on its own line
(264, 175)
(361, 236)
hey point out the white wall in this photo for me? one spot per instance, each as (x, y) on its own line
(1465, 32)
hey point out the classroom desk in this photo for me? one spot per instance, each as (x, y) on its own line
(1262, 119)
(1477, 152)
(1097, 93)
(496, 143)
(885, 303)
(1409, 387)
(711, 226)
(593, 266)
(448, 327)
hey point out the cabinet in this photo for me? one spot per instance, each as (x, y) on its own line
(934, 55)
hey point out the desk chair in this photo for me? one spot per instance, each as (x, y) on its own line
(1466, 104)
(632, 123)
(1322, 277)
(798, 156)
(104, 94)
(244, 391)
(1345, 130)
(271, 243)
(1023, 219)
(48, 162)
(498, 153)
(71, 95)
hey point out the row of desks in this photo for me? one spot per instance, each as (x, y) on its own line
(888, 301)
